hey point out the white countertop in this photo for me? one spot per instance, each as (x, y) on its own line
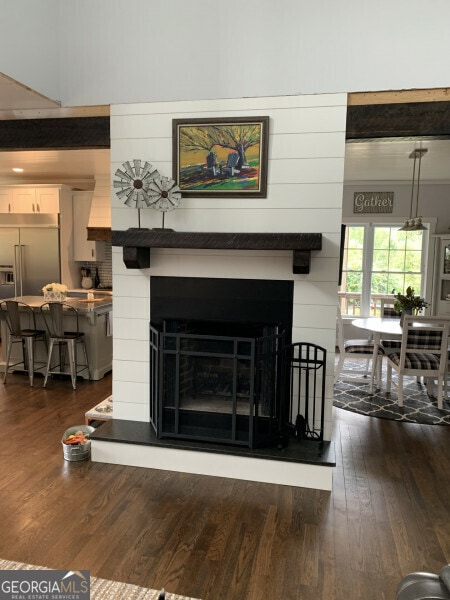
(99, 306)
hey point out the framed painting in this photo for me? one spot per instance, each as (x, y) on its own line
(221, 157)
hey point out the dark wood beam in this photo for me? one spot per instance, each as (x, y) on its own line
(99, 234)
(417, 119)
(59, 134)
(136, 239)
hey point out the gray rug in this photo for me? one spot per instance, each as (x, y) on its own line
(417, 407)
(103, 589)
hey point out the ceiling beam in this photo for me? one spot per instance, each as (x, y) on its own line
(399, 96)
(401, 120)
(56, 134)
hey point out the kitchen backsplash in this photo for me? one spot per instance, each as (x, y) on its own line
(104, 267)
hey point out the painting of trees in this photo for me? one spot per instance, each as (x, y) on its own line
(227, 156)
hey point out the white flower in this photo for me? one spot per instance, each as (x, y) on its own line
(55, 287)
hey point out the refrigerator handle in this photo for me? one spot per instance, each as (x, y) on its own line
(22, 266)
(17, 274)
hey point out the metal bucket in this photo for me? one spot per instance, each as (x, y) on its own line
(78, 451)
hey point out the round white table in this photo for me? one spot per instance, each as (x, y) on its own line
(378, 327)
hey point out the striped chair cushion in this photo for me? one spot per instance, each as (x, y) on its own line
(361, 347)
(417, 360)
(431, 340)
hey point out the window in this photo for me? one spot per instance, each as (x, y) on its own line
(380, 260)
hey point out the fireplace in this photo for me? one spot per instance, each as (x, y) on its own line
(216, 359)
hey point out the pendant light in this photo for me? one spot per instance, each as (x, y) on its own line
(415, 223)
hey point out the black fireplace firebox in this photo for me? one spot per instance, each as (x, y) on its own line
(215, 358)
(216, 382)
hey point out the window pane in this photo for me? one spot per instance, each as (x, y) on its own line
(413, 261)
(414, 240)
(355, 237)
(381, 237)
(351, 286)
(397, 260)
(380, 283)
(354, 260)
(396, 283)
(380, 260)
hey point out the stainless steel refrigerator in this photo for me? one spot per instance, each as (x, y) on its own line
(29, 256)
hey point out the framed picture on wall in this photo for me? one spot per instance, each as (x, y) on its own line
(224, 157)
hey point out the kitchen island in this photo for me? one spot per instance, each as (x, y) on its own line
(94, 321)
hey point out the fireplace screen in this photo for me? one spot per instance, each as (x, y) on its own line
(216, 387)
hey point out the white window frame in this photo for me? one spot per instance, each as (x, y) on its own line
(426, 262)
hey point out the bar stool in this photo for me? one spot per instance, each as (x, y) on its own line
(54, 315)
(14, 313)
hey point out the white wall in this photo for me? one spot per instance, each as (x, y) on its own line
(434, 202)
(110, 51)
(306, 166)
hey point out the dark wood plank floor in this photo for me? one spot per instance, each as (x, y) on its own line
(220, 539)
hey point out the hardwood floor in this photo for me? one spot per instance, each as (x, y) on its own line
(220, 539)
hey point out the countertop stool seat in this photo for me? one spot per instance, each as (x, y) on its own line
(21, 323)
(55, 315)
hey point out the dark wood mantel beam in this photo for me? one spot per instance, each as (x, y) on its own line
(137, 243)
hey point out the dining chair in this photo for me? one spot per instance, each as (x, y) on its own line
(423, 353)
(21, 326)
(388, 311)
(357, 349)
(56, 315)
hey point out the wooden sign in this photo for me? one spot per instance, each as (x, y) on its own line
(373, 202)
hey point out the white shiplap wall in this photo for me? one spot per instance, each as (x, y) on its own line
(305, 185)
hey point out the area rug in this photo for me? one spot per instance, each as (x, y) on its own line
(104, 589)
(417, 407)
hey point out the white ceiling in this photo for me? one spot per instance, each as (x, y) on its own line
(369, 161)
(389, 161)
(54, 165)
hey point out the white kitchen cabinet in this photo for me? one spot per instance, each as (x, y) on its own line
(47, 200)
(6, 201)
(84, 250)
(30, 200)
(24, 200)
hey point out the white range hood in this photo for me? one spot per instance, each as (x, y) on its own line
(100, 215)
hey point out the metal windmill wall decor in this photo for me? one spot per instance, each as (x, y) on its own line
(141, 186)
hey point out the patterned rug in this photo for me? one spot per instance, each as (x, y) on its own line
(418, 407)
(104, 589)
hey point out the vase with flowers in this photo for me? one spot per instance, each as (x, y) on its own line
(55, 292)
(408, 303)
